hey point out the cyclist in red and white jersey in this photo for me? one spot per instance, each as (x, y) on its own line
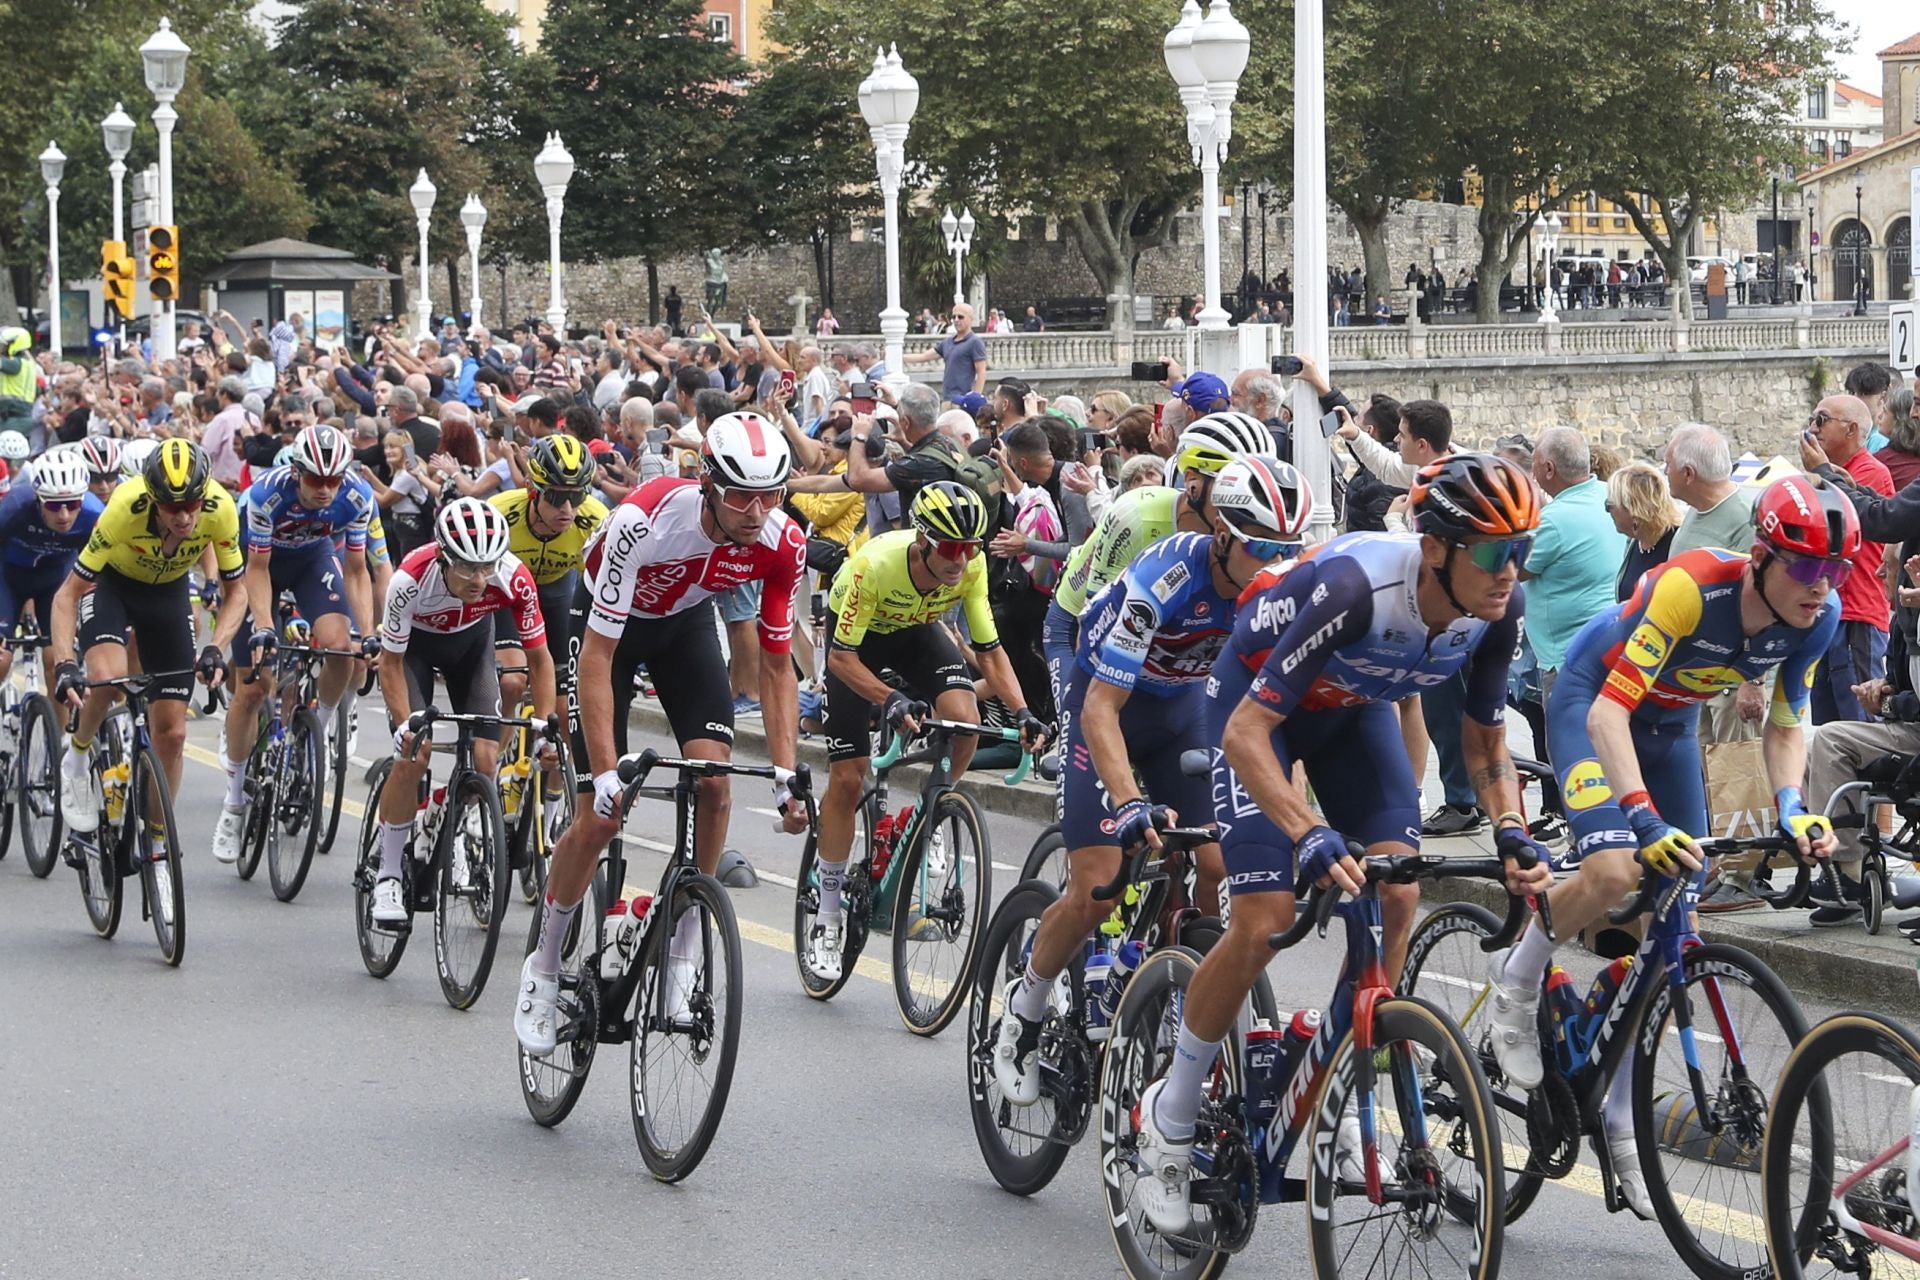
(439, 621)
(651, 573)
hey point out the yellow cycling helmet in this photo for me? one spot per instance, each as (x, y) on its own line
(1210, 443)
(560, 461)
(948, 511)
(177, 472)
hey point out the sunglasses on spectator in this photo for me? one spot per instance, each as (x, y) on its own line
(1809, 570)
(181, 508)
(60, 504)
(1497, 554)
(1821, 419)
(949, 549)
(753, 499)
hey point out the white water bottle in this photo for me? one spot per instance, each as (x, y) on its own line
(621, 935)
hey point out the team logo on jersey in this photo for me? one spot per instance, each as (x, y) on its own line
(1586, 786)
(1171, 581)
(1709, 679)
(1319, 593)
(1648, 646)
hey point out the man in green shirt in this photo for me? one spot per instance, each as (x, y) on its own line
(1719, 514)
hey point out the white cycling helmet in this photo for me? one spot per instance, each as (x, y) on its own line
(321, 450)
(1217, 439)
(102, 454)
(471, 530)
(134, 455)
(14, 446)
(60, 477)
(1263, 497)
(746, 451)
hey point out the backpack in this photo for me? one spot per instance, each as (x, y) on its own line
(980, 474)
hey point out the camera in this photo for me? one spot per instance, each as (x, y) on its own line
(1288, 366)
(1148, 371)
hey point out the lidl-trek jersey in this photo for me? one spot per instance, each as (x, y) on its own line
(548, 559)
(276, 519)
(128, 539)
(874, 593)
(1134, 521)
(1158, 627)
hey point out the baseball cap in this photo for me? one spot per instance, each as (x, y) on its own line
(526, 402)
(972, 402)
(1203, 392)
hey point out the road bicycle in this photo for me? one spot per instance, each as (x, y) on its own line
(136, 807)
(1713, 1026)
(538, 804)
(455, 868)
(1840, 1163)
(1402, 1156)
(620, 982)
(923, 875)
(1024, 1147)
(342, 731)
(29, 757)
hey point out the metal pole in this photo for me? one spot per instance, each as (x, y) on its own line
(1246, 230)
(53, 273)
(959, 292)
(1212, 315)
(473, 260)
(890, 148)
(556, 304)
(423, 308)
(119, 171)
(164, 118)
(1263, 241)
(1310, 452)
(1776, 239)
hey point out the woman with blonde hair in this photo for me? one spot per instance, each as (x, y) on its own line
(1105, 407)
(1641, 508)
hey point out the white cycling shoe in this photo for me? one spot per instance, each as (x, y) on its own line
(232, 824)
(824, 947)
(535, 1011)
(1349, 1160)
(1016, 1068)
(79, 799)
(389, 904)
(1165, 1187)
(1623, 1151)
(1515, 1031)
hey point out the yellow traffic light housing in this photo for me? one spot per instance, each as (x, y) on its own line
(163, 263)
(116, 269)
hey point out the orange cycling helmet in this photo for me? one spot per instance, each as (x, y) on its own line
(1466, 495)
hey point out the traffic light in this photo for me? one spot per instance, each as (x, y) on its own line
(163, 263)
(116, 269)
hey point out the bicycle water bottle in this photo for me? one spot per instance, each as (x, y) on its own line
(620, 933)
(1266, 1044)
(428, 815)
(513, 785)
(883, 833)
(1124, 961)
(1099, 971)
(113, 785)
(1300, 1031)
(1600, 995)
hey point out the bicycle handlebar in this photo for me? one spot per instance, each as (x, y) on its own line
(1005, 733)
(634, 768)
(1134, 866)
(1410, 868)
(1651, 896)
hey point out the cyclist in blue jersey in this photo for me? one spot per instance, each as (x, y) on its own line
(1134, 703)
(1316, 660)
(292, 515)
(43, 524)
(1622, 731)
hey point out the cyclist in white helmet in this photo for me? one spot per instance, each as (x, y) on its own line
(44, 521)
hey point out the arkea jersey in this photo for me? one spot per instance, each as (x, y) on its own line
(26, 541)
(419, 598)
(1157, 628)
(874, 593)
(1133, 522)
(1342, 626)
(127, 539)
(548, 559)
(651, 557)
(276, 519)
(1678, 640)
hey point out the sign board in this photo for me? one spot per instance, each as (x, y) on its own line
(1901, 338)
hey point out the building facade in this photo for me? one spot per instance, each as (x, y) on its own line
(1859, 203)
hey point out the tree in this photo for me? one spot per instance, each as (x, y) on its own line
(1693, 123)
(647, 103)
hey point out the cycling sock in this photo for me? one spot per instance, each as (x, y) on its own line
(322, 714)
(1527, 962)
(1029, 1003)
(393, 848)
(554, 923)
(832, 876)
(80, 748)
(686, 936)
(1619, 1108)
(236, 781)
(1178, 1106)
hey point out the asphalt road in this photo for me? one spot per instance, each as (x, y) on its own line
(271, 1110)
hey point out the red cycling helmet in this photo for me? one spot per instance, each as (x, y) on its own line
(1802, 518)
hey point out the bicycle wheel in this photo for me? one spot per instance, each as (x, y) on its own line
(558, 796)
(9, 800)
(1438, 1159)
(939, 914)
(1703, 1176)
(686, 1029)
(806, 905)
(339, 730)
(380, 949)
(1446, 968)
(518, 808)
(39, 804)
(551, 1085)
(1024, 1147)
(97, 859)
(262, 778)
(1047, 860)
(1138, 1052)
(150, 812)
(1836, 1160)
(472, 902)
(295, 818)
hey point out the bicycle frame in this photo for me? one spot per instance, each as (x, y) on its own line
(937, 753)
(1904, 1246)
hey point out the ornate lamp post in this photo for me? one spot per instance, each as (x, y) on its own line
(1549, 246)
(422, 194)
(163, 58)
(959, 236)
(888, 98)
(473, 217)
(1205, 58)
(553, 169)
(52, 164)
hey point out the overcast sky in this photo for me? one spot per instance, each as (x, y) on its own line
(1876, 24)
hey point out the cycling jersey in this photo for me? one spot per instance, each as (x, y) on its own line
(1131, 523)
(127, 538)
(548, 559)
(651, 557)
(874, 592)
(1158, 627)
(29, 545)
(1678, 640)
(277, 520)
(420, 599)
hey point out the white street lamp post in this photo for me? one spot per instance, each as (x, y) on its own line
(164, 60)
(1310, 321)
(553, 168)
(473, 216)
(52, 164)
(117, 132)
(959, 236)
(888, 98)
(422, 194)
(1549, 247)
(1205, 58)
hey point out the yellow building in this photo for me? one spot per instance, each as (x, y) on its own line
(740, 23)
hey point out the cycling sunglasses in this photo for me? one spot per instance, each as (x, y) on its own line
(751, 499)
(60, 504)
(1262, 549)
(1809, 570)
(181, 508)
(469, 570)
(1493, 556)
(948, 549)
(564, 497)
(321, 482)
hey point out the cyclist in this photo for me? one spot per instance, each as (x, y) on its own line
(438, 622)
(130, 581)
(886, 603)
(650, 576)
(1309, 677)
(293, 514)
(43, 524)
(1622, 727)
(548, 525)
(1135, 702)
(1138, 519)
(102, 456)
